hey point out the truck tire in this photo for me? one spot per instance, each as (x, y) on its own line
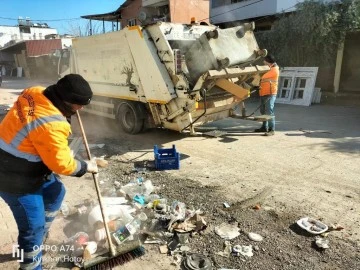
(131, 116)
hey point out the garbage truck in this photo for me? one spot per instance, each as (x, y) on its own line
(169, 75)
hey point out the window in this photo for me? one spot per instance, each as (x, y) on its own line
(299, 88)
(131, 22)
(285, 87)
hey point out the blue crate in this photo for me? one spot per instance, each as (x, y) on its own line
(166, 158)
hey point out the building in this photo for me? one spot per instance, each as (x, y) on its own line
(142, 12)
(29, 47)
(345, 75)
(227, 12)
(25, 30)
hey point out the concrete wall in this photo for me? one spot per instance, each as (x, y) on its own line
(131, 12)
(350, 71)
(182, 11)
(228, 12)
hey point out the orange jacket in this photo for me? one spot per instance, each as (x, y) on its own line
(34, 135)
(269, 81)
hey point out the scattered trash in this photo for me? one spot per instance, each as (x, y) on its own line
(227, 231)
(197, 262)
(79, 239)
(257, 207)
(255, 237)
(184, 248)
(226, 205)
(163, 249)
(139, 199)
(243, 250)
(336, 227)
(91, 247)
(101, 162)
(227, 250)
(195, 222)
(183, 238)
(312, 226)
(117, 184)
(129, 229)
(322, 242)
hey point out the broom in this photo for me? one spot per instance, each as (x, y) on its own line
(128, 250)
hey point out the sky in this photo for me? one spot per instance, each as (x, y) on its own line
(62, 15)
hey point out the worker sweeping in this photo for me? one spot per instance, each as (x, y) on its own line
(33, 147)
(268, 91)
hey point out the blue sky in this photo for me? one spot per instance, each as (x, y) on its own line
(47, 10)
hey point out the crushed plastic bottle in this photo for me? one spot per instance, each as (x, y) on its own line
(67, 210)
(78, 240)
(131, 228)
(113, 225)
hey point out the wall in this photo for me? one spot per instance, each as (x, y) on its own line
(182, 11)
(247, 9)
(350, 72)
(130, 12)
(66, 43)
(9, 33)
(41, 47)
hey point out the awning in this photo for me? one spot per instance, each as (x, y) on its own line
(111, 16)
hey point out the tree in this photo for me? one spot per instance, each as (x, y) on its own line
(311, 35)
(83, 28)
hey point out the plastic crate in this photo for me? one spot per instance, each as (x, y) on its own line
(166, 158)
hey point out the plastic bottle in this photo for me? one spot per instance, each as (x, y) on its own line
(151, 197)
(114, 225)
(67, 210)
(129, 229)
(79, 239)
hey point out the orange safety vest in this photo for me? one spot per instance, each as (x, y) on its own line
(269, 81)
(34, 135)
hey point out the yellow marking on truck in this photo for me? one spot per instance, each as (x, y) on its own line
(157, 101)
(136, 27)
(115, 96)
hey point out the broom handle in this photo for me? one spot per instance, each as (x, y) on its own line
(102, 208)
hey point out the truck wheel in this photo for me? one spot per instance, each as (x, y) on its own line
(131, 116)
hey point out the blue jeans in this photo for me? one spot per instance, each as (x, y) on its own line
(34, 213)
(267, 104)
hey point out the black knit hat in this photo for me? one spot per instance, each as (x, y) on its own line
(270, 59)
(74, 89)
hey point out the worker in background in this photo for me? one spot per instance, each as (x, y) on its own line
(267, 92)
(34, 146)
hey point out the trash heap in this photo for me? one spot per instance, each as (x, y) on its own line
(134, 212)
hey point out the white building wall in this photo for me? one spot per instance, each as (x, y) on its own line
(8, 33)
(243, 10)
(66, 43)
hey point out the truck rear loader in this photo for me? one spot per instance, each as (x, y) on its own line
(167, 75)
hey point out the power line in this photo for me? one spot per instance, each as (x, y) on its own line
(33, 20)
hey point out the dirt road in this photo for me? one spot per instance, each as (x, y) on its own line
(310, 165)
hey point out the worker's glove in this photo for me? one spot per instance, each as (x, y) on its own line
(92, 166)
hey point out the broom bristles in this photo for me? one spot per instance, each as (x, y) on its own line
(126, 252)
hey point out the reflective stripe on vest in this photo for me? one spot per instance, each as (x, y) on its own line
(269, 80)
(11, 148)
